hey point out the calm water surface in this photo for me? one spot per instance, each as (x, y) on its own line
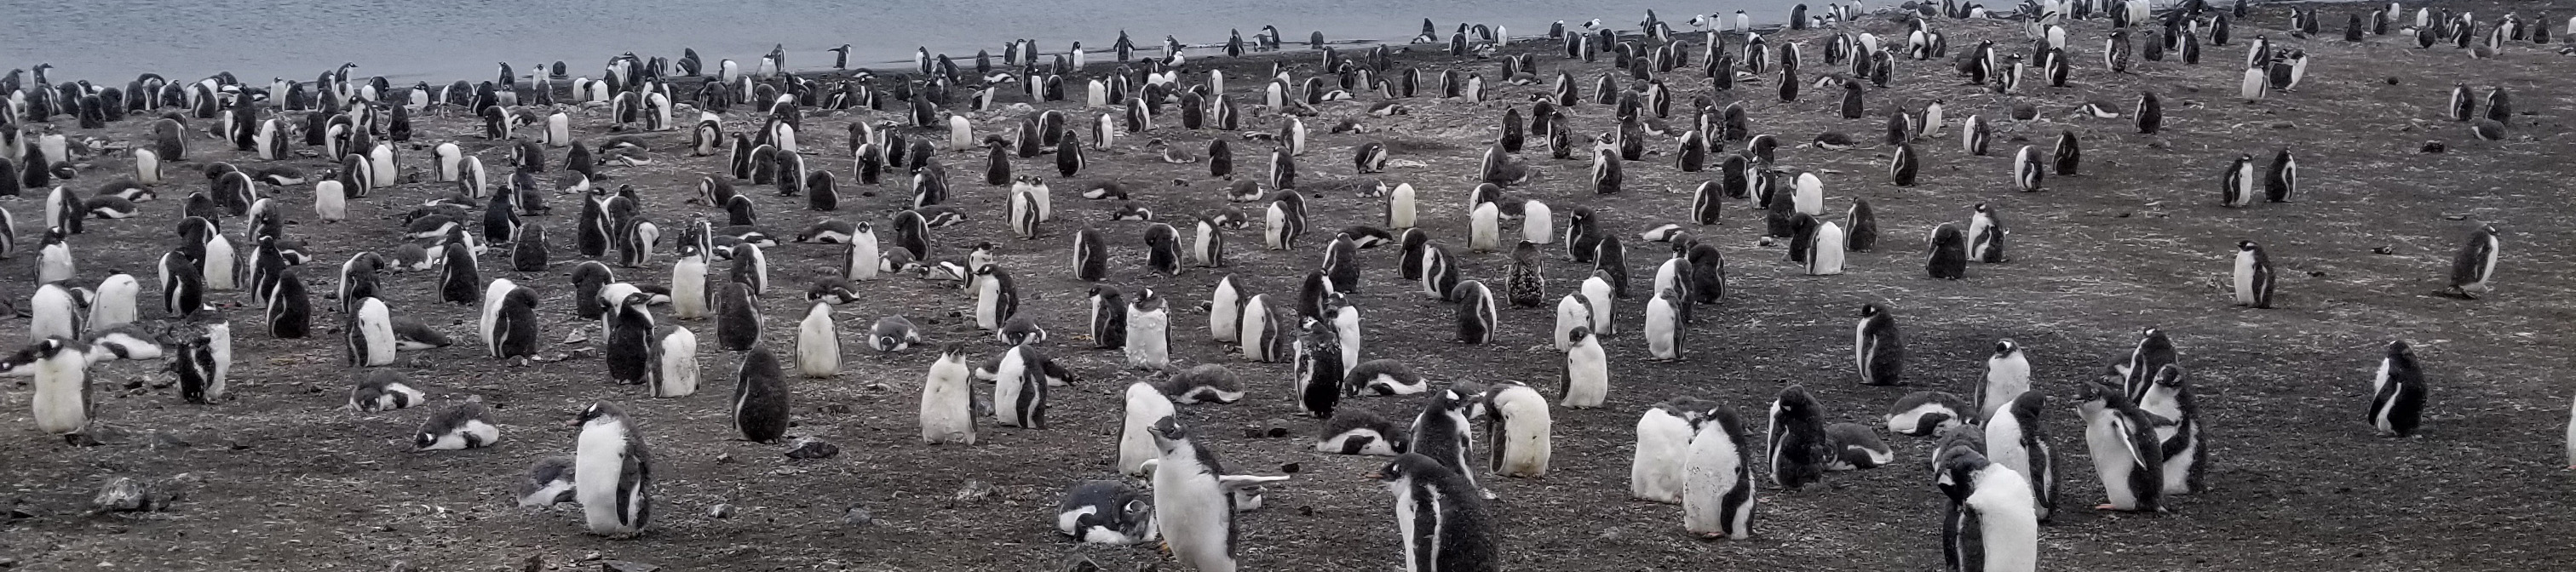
(445, 40)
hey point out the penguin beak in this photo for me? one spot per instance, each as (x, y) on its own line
(1374, 476)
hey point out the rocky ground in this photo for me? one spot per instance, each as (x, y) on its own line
(280, 478)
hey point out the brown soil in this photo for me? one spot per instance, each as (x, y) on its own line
(2137, 240)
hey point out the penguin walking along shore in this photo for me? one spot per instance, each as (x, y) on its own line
(2397, 393)
(1717, 481)
(613, 473)
(1440, 516)
(1194, 500)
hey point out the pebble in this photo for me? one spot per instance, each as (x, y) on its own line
(974, 490)
(123, 494)
(858, 516)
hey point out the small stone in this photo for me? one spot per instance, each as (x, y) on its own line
(2383, 250)
(2434, 147)
(624, 566)
(812, 448)
(123, 494)
(588, 557)
(720, 511)
(1080, 563)
(2392, 80)
(858, 516)
(2283, 125)
(1291, 468)
(724, 457)
(974, 490)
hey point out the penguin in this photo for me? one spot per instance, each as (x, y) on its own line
(1361, 432)
(466, 426)
(1162, 249)
(2475, 264)
(1256, 334)
(1518, 425)
(1990, 523)
(676, 362)
(2027, 171)
(62, 402)
(1572, 312)
(2014, 440)
(738, 317)
(2125, 451)
(1476, 317)
(1194, 500)
(549, 482)
(1825, 251)
(612, 473)
(760, 398)
(1383, 377)
(893, 334)
(1020, 389)
(2281, 185)
(2150, 113)
(1717, 494)
(1286, 220)
(1949, 249)
(2177, 419)
(1106, 512)
(1877, 349)
(1526, 281)
(1319, 369)
(947, 409)
(1586, 380)
(1441, 517)
(1799, 448)
(1441, 431)
(2237, 185)
(1205, 383)
(1224, 311)
(2397, 392)
(2253, 276)
(818, 343)
(1927, 413)
(370, 334)
(630, 343)
(1665, 314)
(996, 298)
(2153, 351)
(112, 304)
(1146, 330)
(1400, 207)
(1484, 228)
(382, 390)
(1207, 249)
(1986, 235)
(1662, 451)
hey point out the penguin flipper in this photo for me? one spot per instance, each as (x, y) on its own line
(1239, 482)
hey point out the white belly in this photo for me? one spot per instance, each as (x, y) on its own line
(818, 349)
(2244, 279)
(1147, 339)
(679, 364)
(59, 406)
(1588, 372)
(1711, 470)
(598, 462)
(1190, 508)
(1663, 441)
(2110, 459)
(1222, 325)
(1661, 325)
(689, 288)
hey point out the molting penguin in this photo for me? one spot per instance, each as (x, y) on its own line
(1663, 441)
(1586, 379)
(1319, 370)
(760, 398)
(612, 473)
(1949, 252)
(1798, 447)
(62, 401)
(2397, 392)
(1518, 426)
(947, 399)
(1877, 350)
(1145, 407)
(1442, 432)
(1147, 330)
(818, 343)
(1717, 476)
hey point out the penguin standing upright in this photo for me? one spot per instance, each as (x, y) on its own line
(2253, 276)
(1526, 282)
(1949, 252)
(2397, 393)
(1145, 406)
(509, 321)
(1476, 317)
(1665, 314)
(760, 398)
(1162, 249)
(2178, 433)
(2281, 185)
(2237, 187)
(738, 317)
(1108, 317)
(1147, 329)
(62, 402)
(676, 367)
(612, 473)
(1990, 523)
(818, 342)
(2125, 450)
(2153, 352)
(2475, 264)
(947, 399)
(1986, 235)
(1877, 349)
(1586, 380)
(1717, 477)
(370, 334)
(1194, 500)
(1662, 449)
(1258, 337)
(1798, 446)
(1318, 371)
(1442, 432)
(2014, 440)
(1225, 306)
(1519, 427)
(1441, 517)
(996, 298)
(2007, 376)
(1020, 388)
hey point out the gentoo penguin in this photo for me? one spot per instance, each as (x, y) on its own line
(370, 334)
(1949, 250)
(382, 390)
(996, 298)
(613, 473)
(1518, 425)
(1986, 235)
(676, 362)
(1319, 369)
(1383, 377)
(1108, 324)
(54, 262)
(1225, 305)
(2177, 414)
(1441, 517)
(1442, 432)
(947, 399)
(1663, 442)
(2253, 275)
(1206, 383)
(1799, 448)
(1259, 336)
(1162, 249)
(2281, 185)
(738, 317)
(2125, 451)
(2237, 186)
(630, 343)
(1476, 317)
(1147, 329)
(818, 343)
(1666, 313)
(2153, 352)
(1145, 406)
(1360, 432)
(1020, 389)
(1571, 312)
(760, 398)
(2397, 393)
(112, 304)
(2150, 113)
(2476, 263)
(1586, 380)
(1717, 476)
(2015, 440)
(1194, 500)
(468, 425)
(1286, 220)
(1400, 209)
(1824, 251)
(1927, 413)
(62, 402)
(1525, 283)
(549, 482)
(1106, 512)
(1877, 350)
(1991, 525)
(2007, 376)
(892, 334)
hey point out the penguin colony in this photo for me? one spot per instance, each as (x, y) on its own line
(862, 157)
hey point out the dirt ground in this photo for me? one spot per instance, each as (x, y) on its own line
(280, 478)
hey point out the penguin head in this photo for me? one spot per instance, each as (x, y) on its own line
(1794, 402)
(1579, 335)
(1168, 432)
(2006, 348)
(1872, 311)
(2245, 245)
(2169, 376)
(2396, 349)
(423, 440)
(599, 411)
(1958, 469)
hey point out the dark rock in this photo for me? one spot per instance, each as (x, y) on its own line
(2434, 147)
(812, 448)
(974, 490)
(858, 516)
(1080, 563)
(624, 566)
(123, 494)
